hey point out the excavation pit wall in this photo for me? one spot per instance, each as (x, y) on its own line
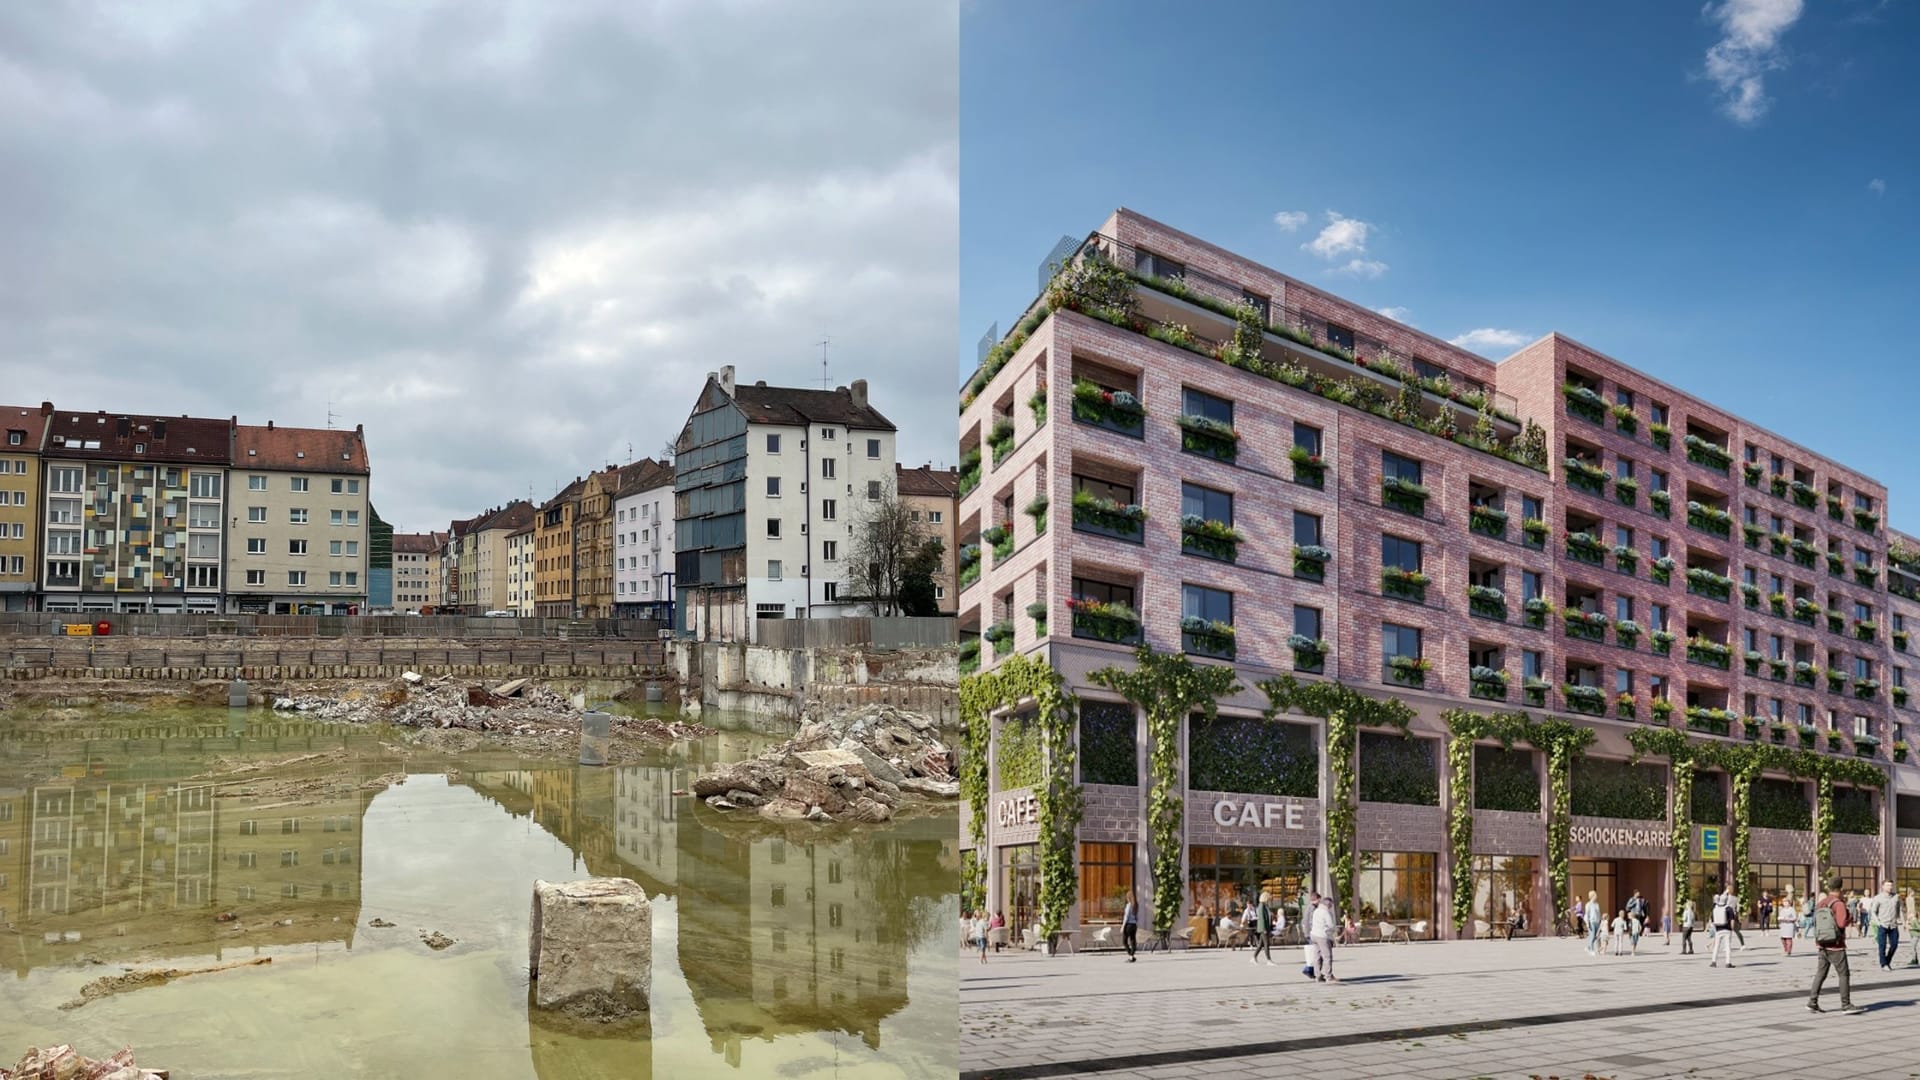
(786, 682)
(191, 660)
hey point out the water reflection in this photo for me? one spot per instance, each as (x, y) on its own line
(123, 843)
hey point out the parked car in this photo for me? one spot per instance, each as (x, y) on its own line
(502, 615)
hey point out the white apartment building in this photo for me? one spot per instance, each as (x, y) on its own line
(643, 544)
(520, 570)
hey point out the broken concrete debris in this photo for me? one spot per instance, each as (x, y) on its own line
(436, 940)
(512, 709)
(65, 1063)
(854, 765)
(591, 950)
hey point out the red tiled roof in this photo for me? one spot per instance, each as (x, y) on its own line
(416, 543)
(793, 407)
(926, 480)
(642, 475)
(102, 436)
(291, 449)
(28, 421)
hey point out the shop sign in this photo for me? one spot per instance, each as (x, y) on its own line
(1611, 836)
(1259, 815)
(1024, 810)
(1708, 843)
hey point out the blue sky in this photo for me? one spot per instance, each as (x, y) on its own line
(1727, 198)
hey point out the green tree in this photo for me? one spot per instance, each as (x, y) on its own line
(916, 589)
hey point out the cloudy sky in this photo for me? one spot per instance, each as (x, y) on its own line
(509, 238)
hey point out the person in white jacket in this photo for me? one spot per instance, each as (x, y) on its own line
(1321, 934)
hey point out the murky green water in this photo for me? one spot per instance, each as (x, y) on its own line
(124, 835)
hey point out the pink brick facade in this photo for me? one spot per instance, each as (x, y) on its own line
(1047, 457)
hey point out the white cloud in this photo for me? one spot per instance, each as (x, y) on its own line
(1877, 186)
(1361, 268)
(1290, 220)
(1342, 236)
(1749, 47)
(1487, 337)
(1397, 314)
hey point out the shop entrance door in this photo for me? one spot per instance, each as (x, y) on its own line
(1597, 876)
(1020, 888)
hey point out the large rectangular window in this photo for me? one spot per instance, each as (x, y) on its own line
(1206, 503)
(1198, 403)
(1396, 888)
(1306, 529)
(1106, 881)
(1200, 602)
(1502, 888)
(1394, 466)
(1400, 552)
(1224, 880)
(1398, 641)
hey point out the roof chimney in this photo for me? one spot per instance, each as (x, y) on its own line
(859, 392)
(159, 430)
(46, 408)
(269, 425)
(726, 379)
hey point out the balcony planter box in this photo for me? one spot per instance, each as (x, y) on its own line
(1866, 689)
(1206, 638)
(1662, 435)
(1000, 636)
(969, 575)
(1488, 521)
(1623, 419)
(1866, 745)
(1404, 496)
(1662, 502)
(1778, 485)
(1805, 674)
(1535, 611)
(969, 471)
(1587, 625)
(1752, 728)
(1099, 621)
(1711, 721)
(1000, 538)
(1900, 751)
(1117, 411)
(1805, 611)
(1702, 582)
(1709, 653)
(1584, 477)
(970, 656)
(1778, 602)
(1836, 566)
(1104, 517)
(1626, 632)
(1487, 683)
(1037, 510)
(1751, 470)
(1001, 440)
(1710, 455)
(1835, 510)
(1201, 435)
(1623, 706)
(1867, 576)
(1865, 631)
(1625, 559)
(1533, 692)
(1836, 623)
(1585, 403)
(1662, 642)
(1586, 548)
(1803, 495)
(1753, 534)
(1779, 731)
(1588, 700)
(1308, 469)
(1709, 520)
(1309, 654)
(1038, 403)
(1750, 593)
(1535, 531)
(1405, 584)
(1753, 661)
(1809, 735)
(1837, 682)
(1864, 520)
(1209, 539)
(1900, 640)
(1486, 603)
(1310, 562)
(1037, 611)
(1777, 669)
(1409, 671)
(1779, 542)
(1662, 570)
(1803, 553)
(1662, 711)
(1626, 490)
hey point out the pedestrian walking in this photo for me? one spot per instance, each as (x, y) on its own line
(1620, 931)
(1885, 911)
(1130, 929)
(1722, 928)
(1262, 927)
(1687, 918)
(1592, 915)
(1830, 922)
(1322, 931)
(1279, 928)
(1733, 918)
(1766, 910)
(980, 934)
(1666, 923)
(1636, 919)
(1789, 919)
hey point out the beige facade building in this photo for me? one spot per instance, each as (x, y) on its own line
(416, 571)
(22, 430)
(932, 497)
(593, 546)
(299, 517)
(484, 557)
(520, 569)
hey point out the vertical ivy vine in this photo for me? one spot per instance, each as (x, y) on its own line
(1168, 687)
(1464, 729)
(1823, 821)
(1345, 711)
(1562, 741)
(1021, 678)
(1680, 753)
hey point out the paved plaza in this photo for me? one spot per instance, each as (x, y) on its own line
(1527, 1008)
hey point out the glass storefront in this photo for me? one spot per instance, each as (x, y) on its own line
(1224, 880)
(1596, 876)
(1502, 885)
(1020, 887)
(1864, 880)
(1397, 887)
(1106, 879)
(1780, 879)
(1703, 884)
(1909, 878)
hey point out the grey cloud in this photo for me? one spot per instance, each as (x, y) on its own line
(509, 238)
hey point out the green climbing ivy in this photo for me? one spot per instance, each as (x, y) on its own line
(1563, 741)
(1464, 728)
(1823, 821)
(1169, 687)
(1345, 711)
(1018, 759)
(1013, 683)
(1679, 752)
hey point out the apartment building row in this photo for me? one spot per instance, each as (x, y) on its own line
(106, 512)
(1181, 447)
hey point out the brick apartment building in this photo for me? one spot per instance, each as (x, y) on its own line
(1347, 498)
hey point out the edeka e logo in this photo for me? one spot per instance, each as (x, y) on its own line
(1258, 814)
(1709, 837)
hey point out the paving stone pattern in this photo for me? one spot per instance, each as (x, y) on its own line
(1432, 1010)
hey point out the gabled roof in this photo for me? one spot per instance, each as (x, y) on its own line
(292, 449)
(509, 517)
(927, 481)
(643, 475)
(416, 543)
(102, 436)
(790, 406)
(29, 421)
(570, 493)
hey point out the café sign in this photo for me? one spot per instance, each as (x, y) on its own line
(1612, 836)
(1260, 815)
(1024, 810)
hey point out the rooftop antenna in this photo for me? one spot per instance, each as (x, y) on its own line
(826, 382)
(330, 416)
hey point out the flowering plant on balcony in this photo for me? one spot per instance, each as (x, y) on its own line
(1625, 558)
(1866, 688)
(1835, 509)
(1312, 553)
(1411, 665)
(1662, 710)
(1001, 539)
(1805, 674)
(1623, 705)
(1662, 640)
(1591, 625)
(1623, 418)
(1777, 667)
(1487, 520)
(1095, 403)
(1662, 569)
(1301, 643)
(969, 554)
(999, 632)
(1535, 529)
(1584, 476)
(1752, 472)
(1104, 513)
(1900, 640)
(1778, 602)
(1702, 452)
(1585, 545)
(1707, 583)
(1835, 564)
(1585, 402)
(1780, 542)
(1778, 484)
(969, 470)
(1661, 434)
(1709, 519)
(1584, 698)
(1705, 651)
(1486, 602)
(1753, 533)
(1214, 539)
(1402, 581)
(1804, 495)
(1205, 435)
(1626, 631)
(1837, 681)
(1209, 635)
(1403, 494)
(1900, 750)
(1482, 674)
(1662, 502)
(1001, 438)
(1836, 621)
(1487, 593)
(1865, 575)
(1754, 658)
(1102, 620)
(1805, 610)
(1709, 719)
(1752, 593)
(1037, 510)
(1038, 404)
(1865, 631)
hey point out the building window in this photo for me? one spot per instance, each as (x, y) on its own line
(773, 569)
(1532, 662)
(829, 550)
(1399, 552)
(829, 509)
(1307, 437)
(1341, 336)
(336, 517)
(1206, 503)
(1397, 886)
(1211, 605)
(257, 577)
(827, 434)
(1106, 881)
(935, 517)
(257, 515)
(1394, 466)
(1306, 528)
(773, 487)
(297, 516)
(297, 578)
(333, 579)
(298, 483)
(773, 442)
(1396, 640)
(256, 482)
(873, 449)
(203, 486)
(1158, 265)
(826, 468)
(1306, 621)
(203, 577)
(1199, 403)
(773, 528)
(831, 592)
(333, 548)
(256, 545)
(296, 547)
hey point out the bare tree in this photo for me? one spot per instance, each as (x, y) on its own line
(885, 539)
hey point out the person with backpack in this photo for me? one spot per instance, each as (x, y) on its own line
(1722, 927)
(1830, 922)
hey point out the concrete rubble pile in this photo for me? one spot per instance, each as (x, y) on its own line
(446, 702)
(855, 766)
(63, 1063)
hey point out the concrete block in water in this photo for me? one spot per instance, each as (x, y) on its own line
(237, 694)
(591, 949)
(596, 733)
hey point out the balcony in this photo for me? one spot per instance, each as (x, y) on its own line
(1208, 437)
(1202, 637)
(1101, 621)
(1117, 411)
(1209, 539)
(1106, 517)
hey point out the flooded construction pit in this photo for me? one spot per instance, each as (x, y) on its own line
(388, 889)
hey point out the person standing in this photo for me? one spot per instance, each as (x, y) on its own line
(1321, 934)
(1733, 918)
(1687, 918)
(1766, 910)
(1885, 909)
(1130, 929)
(1789, 919)
(1830, 922)
(1636, 919)
(1618, 941)
(1722, 928)
(980, 933)
(1592, 915)
(1262, 927)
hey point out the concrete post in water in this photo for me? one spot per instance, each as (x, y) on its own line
(656, 693)
(590, 952)
(596, 732)
(237, 694)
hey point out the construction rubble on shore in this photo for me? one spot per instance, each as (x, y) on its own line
(63, 1063)
(447, 702)
(855, 766)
